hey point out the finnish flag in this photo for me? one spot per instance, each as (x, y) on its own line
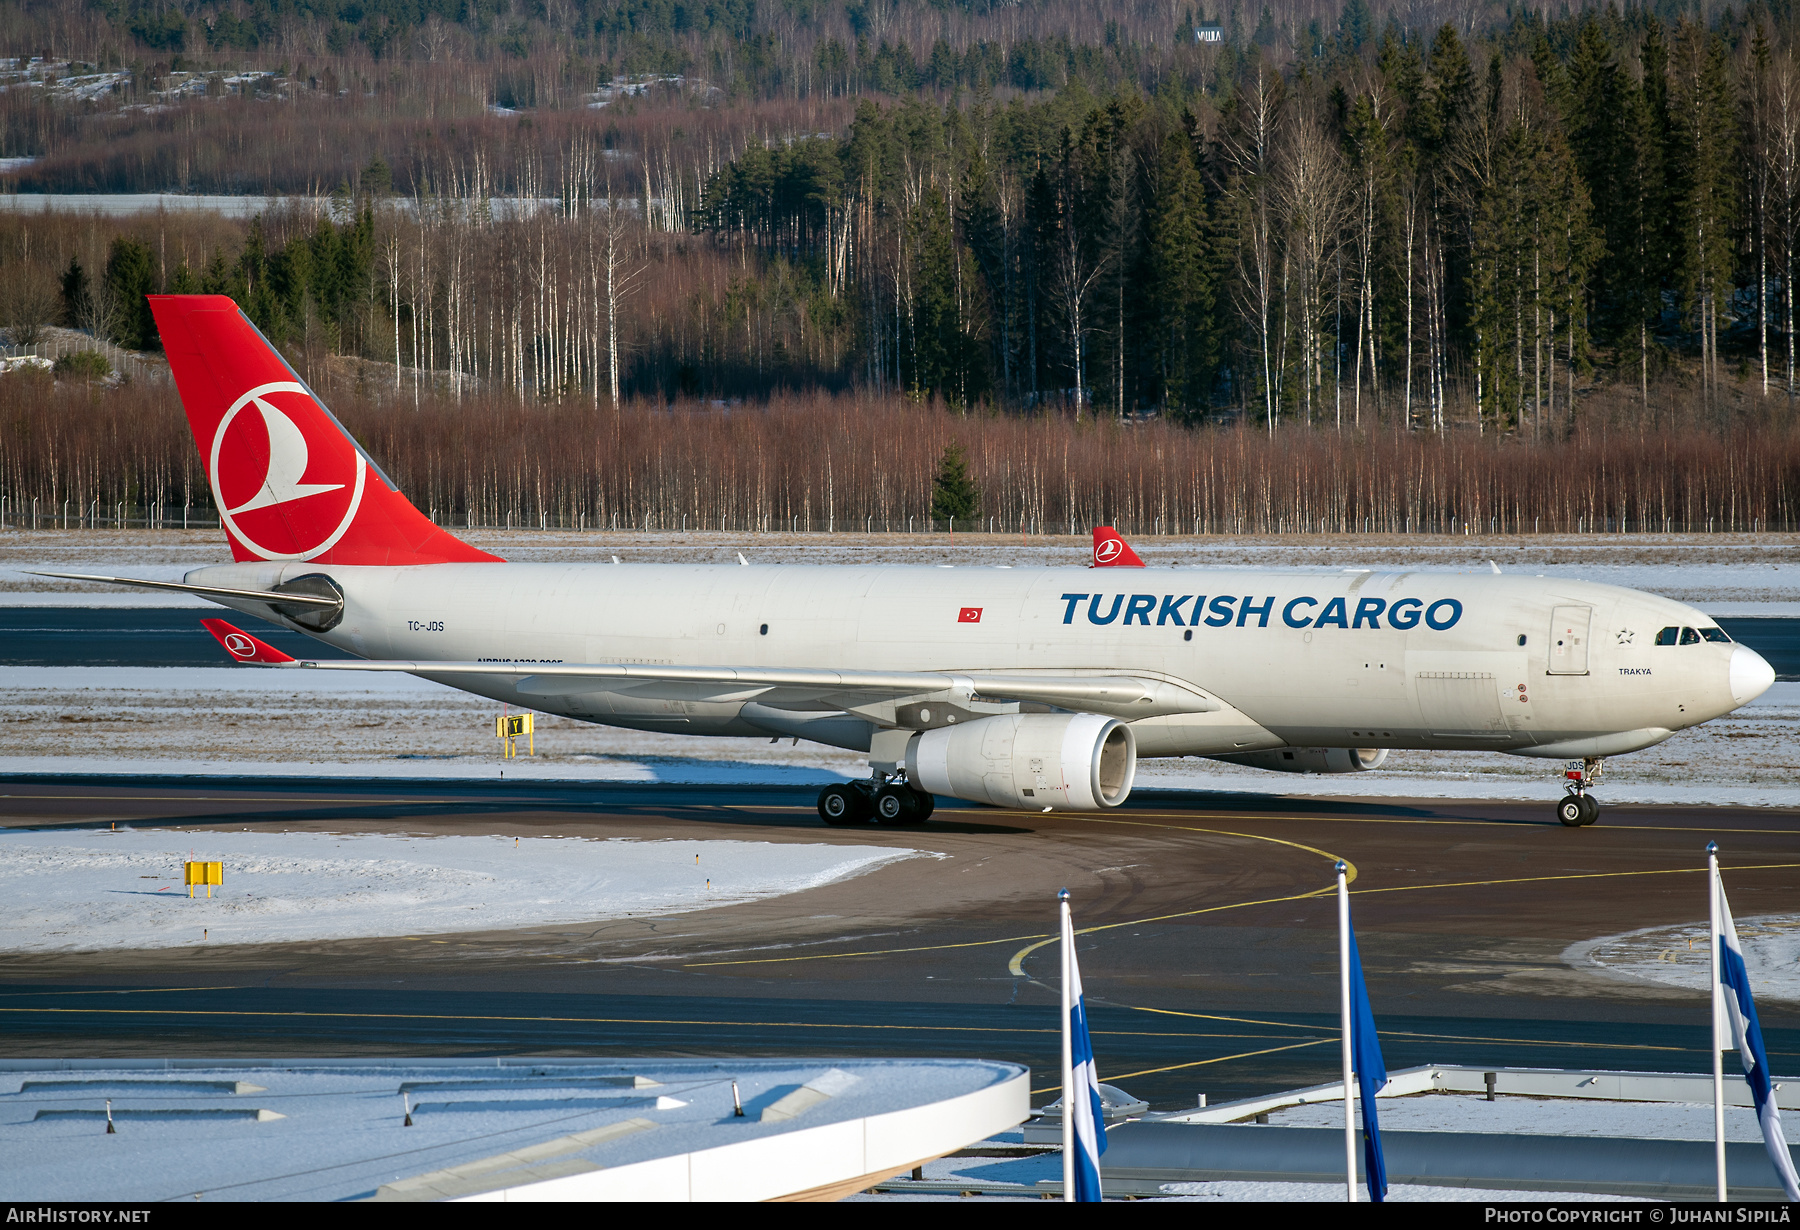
(1081, 1091)
(1371, 1076)
(1740, 1010)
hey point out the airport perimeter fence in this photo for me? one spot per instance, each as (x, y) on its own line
(95, 515)
(53, 343)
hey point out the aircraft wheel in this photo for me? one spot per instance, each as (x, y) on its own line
(1590, 807)
(842, 806)
(925, 803)
(897, 805)
(1572, 811)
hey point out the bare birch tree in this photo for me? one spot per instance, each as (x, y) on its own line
(1248, 146)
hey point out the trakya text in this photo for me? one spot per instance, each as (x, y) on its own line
(1230, 611)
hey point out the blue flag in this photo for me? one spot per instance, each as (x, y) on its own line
(1741, 1010)
(1081, 1101)
(1371, 1075)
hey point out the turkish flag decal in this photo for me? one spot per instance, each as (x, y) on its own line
(969, 615)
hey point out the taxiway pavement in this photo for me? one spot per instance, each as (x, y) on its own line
(1208, 949)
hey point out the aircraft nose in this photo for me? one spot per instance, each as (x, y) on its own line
(1751, 675)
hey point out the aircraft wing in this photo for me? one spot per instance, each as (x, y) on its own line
(1126, 696)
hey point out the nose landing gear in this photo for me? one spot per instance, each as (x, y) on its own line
(1578, 808)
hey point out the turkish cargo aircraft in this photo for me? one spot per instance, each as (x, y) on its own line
(1032, 688)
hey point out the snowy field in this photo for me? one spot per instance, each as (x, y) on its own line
(62, 719)
(1680, 956)
(109, 890)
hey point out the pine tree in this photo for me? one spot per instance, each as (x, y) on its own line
(939, 364)
(954, 495)
(1180, 290)
(130, 276)
(1703, 145)
(985, 229)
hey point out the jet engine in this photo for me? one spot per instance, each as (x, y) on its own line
(1044, 762)
(1311, 759)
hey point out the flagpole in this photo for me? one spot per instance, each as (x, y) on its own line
(1068, 1054)
(1343, 900)
(1715, 930)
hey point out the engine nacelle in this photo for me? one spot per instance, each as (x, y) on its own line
(1311, 759)
(1040, 761)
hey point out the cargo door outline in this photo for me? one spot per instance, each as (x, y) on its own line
(1569, 639)
(1460, 704)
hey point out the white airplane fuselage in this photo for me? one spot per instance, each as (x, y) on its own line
(1348, 659)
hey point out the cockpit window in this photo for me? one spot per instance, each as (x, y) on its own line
(1715, 635)
(1668, 636)
(1689, 637)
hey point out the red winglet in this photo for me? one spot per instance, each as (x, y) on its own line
(1111, 551)
(244, 647)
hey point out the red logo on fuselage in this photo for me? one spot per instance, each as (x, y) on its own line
(969, 615)
(287, 481)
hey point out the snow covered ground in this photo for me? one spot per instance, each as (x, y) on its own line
(241, 720)
(109, 890)
(1680, 956)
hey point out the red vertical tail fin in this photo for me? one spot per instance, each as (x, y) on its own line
(289, 481)
(1111, 551)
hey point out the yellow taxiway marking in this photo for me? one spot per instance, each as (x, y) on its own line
(1296, 817)
(1041, 939)
(1016, 968)
(1333, 1037)
(593, 1020)
(1300, 818)
(1587, 875)
(1198, 1063)
(1404, 1033)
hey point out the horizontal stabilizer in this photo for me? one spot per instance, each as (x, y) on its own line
(244, 647)
(201, 591)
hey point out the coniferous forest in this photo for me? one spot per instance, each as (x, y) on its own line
(1567, 229)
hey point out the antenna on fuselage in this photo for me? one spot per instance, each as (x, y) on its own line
(742, 560)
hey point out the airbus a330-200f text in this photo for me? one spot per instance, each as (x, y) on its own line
(1035, 688)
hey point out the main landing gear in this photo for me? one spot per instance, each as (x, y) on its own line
(884, 798)
(1579, 808)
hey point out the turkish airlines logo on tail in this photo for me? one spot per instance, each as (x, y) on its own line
(1111, 551)
(286, 480)
(239, 646)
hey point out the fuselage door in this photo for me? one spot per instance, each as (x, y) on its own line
(1569, 639)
